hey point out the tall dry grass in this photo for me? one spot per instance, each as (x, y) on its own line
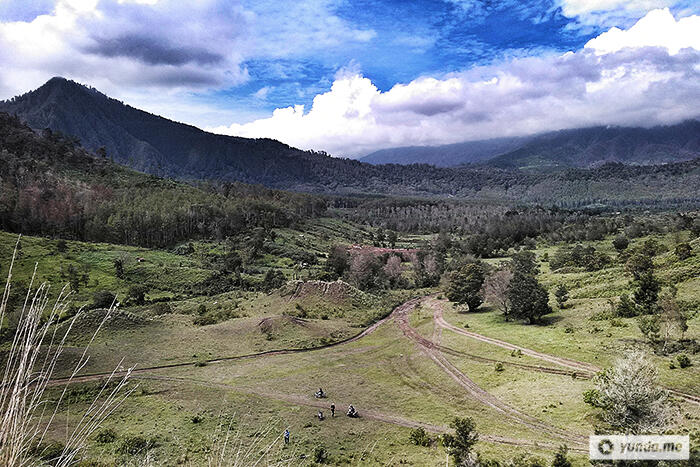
(26, 411)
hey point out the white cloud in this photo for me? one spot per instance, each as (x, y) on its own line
(649, 74)
(612, 12)
(657, 29)
(162, 45)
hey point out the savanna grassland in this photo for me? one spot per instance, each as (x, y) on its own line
(203, 375)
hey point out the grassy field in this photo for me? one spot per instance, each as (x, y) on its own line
(180, 414)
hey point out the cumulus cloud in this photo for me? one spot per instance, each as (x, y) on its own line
(165, 45)
(648, 74)
(615, 12)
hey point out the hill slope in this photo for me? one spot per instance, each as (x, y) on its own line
(448, 155)
(581, 147)
(150, 143)
(590, 147)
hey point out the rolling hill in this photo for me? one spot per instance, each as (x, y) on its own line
(581, 147)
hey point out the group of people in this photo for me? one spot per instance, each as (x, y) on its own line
(352, 412)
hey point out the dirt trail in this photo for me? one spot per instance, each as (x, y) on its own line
(369, 414)
(586, 368)
(432, 350)
(583, 369)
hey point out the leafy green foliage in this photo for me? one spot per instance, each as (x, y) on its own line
(464, 286)
(459, 445)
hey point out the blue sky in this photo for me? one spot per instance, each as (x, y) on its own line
(258, 68)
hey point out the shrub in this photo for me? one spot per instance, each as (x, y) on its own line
(162, 308)
(320, 455)
(48, 451)
(625, 307)
(683, 251)
(420, 437)
(202, 309)
(617, 323)
(102, 299)
(133, 445)
(683, 361)
(137, 294)
(105, 436)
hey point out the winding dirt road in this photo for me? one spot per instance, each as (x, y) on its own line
(582, 369)
(432, 350)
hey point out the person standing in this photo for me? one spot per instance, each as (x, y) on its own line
(286, 436)
(332, 410)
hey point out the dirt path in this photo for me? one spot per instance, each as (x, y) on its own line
(267, 353)
(432, 350)
(586, 368)
(366, 413)
(582, 369)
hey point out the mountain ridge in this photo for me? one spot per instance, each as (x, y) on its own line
(578, 147)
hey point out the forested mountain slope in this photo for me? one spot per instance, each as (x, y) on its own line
(448, 155)
(590, 147)
(581, 147)
(162, 147)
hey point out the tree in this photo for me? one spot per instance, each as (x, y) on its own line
(459, 445)
(119, 268)
(620, 243)
(562, 295)
(647, 293)
(102, 299)
(380, 237)
(683, 251)
(338, 261)
(625, 307)
(529, 299)
(672, 319)
(137, 294)
(560, 459)
(392, 238)
(464, 286)
(231, 262)
(525, 263)
(638, 265)
(630, 397)
(73, 278)
(273, 279)
(496, 289)
(366, 271)
(393, 270)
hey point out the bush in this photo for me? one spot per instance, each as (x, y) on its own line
(420, 437)
(102, 299)
(133, 445)
(162, 308)
(48, 451)
(320, 455)
(626, 308)
(137, 294)
(683, 361)
(683, 251)
(105, 436)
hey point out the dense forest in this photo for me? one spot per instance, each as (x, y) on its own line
(162, 147)
(52, 186)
